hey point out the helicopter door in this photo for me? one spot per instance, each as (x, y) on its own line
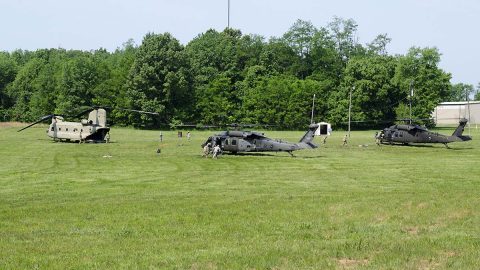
(231, 144)
(401, 137)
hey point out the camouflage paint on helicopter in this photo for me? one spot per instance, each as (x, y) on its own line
(236, 141)
(406, 134)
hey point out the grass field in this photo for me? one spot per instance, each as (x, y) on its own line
(66, 206)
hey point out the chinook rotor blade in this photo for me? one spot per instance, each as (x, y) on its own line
(91, 108)
(46, 117)
(138, 111)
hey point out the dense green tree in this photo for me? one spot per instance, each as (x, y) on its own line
(8, 72)
(284, 101)
(79, 78)
(113, 90)
(159, 80)
(222, 58)
(369, 79)
(279, 58)
(222, 77)
(344, 34)
(34, 88)
(477, 92)
(216, 102)
(418, 70)
(326, 61)
(215, 53)
(460, 92)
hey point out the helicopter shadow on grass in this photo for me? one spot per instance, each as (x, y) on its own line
(428, 146)
(276, 155)
(76, 142)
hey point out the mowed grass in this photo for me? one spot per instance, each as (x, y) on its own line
(65, 205)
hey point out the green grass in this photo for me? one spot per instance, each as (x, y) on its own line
(64, 205)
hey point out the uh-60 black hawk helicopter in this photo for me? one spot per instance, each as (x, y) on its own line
(410, 133)
(236, 141)
(93, 129)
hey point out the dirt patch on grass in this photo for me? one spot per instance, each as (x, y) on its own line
(351, 263)
(413, 230)
(11, 124)
(427, 265)
(20, 124)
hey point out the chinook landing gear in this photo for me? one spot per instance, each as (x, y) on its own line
(290, 153)
(446, 145)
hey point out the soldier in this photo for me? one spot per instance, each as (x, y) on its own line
(377, 138)
(216, 151)
(161, 136)
(345, 142)
(188, 136)
(81, 137)
(107, 137)
(206, 150)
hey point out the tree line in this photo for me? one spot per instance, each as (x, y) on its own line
(229, 77)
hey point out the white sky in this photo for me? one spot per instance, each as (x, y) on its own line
(450, 25)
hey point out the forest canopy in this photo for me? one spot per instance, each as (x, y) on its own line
(226, 77)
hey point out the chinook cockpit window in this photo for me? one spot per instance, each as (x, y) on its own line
(234, 142)
(52, 128)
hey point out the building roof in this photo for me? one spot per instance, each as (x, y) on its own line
(459, 103)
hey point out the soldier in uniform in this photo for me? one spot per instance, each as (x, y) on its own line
(377, 138)
(161, 136)
(344, 140)
(81, 137)
(216, 151)
(107, 137)
(206, 150)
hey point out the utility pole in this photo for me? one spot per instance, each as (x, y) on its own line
(411, 96)
(228, 19)
(313, 107)
(468, 108)
(350, 110)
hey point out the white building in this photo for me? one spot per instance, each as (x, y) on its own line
(449, 113)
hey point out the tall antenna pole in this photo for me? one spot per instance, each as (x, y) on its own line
(468, 107)
(350, 111)
(228, 20)
(313, 107)
(411, 96)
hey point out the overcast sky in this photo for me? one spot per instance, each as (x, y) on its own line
(450, 25)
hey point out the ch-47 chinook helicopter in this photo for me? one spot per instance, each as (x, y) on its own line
(406, 134)
(93, 129)
(236, 141)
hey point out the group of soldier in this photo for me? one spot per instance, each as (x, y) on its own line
(215, 151)
(379, 137)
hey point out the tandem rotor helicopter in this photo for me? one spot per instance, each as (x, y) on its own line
(92, 129)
